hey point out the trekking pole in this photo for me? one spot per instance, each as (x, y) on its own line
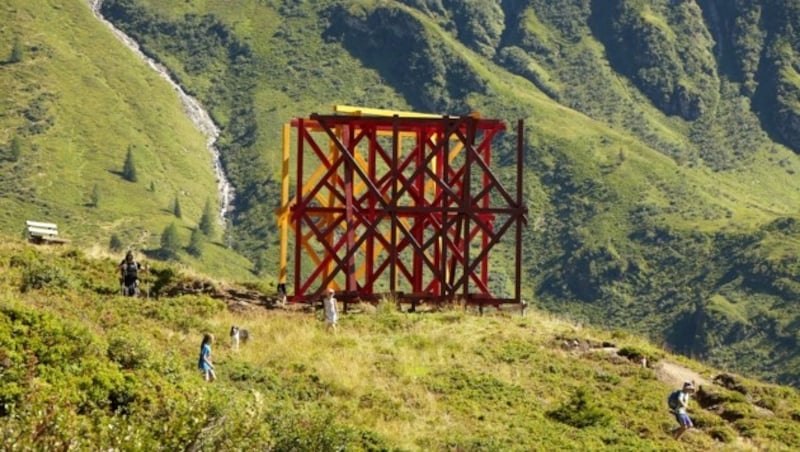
(146, 281)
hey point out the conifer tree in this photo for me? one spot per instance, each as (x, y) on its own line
(95, 199)
(176, 208)
(196, 243)
(260, 264)
(16, 149)
(129, 169)
(17, 52)
(115, 244)
(206, 223)
(170, 242)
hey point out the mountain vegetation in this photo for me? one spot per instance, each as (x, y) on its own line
(82, 367)
(661, 140)
(80, 110)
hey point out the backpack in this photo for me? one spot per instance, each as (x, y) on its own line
(674, 400)
(131, 269)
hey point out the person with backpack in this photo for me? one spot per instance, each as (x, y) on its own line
(678, 401)
(129, 275)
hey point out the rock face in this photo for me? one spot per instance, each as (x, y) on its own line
(757, 44)
(428, 73)
(666, 52)
(787, 115)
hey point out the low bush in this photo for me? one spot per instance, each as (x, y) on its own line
(580, 411)
(311, 427)
(128, 350)
(39, 275)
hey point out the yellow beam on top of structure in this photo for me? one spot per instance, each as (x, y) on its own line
(363, 111)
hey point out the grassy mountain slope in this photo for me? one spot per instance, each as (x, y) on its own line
(656, 178)
(77, 373)
(74, 105)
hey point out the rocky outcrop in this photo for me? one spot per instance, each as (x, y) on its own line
(668, 56)
(429, 74)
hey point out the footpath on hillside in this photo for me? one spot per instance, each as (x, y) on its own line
(675, 374)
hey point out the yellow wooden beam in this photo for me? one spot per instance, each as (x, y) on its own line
(283, 219)
(363, 111)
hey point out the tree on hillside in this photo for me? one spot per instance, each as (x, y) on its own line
(17, 52)
(16, 149)
(206, 223)
(115, 243)
(176, 208)
(261, 263)
(129, 169)
(197, 243)
(170, 242)
(95, 196)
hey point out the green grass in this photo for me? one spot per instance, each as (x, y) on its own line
(612, 181)
(730, 310)
(122, 373)
(102, 100)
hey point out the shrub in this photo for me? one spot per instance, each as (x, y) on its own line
(249, 374)
(312, 428)
(162, 277)
(580, 411)
(722, 433)
(128, 350)
(39, 275)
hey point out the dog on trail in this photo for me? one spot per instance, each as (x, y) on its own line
(238, 335)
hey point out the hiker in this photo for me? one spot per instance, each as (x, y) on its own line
(204, 363)
(282, 294)
(678, 402)
(129, 275)
(329, 306)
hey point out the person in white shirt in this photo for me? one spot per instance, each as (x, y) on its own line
(678, 407)
(329, 305)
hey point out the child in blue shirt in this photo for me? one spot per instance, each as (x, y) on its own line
(205, 358)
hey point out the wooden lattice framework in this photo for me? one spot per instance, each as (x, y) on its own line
(406, 199)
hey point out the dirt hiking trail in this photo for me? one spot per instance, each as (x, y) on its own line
(676, 374)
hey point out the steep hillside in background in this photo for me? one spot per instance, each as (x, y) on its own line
(75, 104)
(663, 197)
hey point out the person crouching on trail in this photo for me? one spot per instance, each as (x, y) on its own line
(129, 275)
(678, 402)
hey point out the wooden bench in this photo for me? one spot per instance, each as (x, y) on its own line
(39, 232)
